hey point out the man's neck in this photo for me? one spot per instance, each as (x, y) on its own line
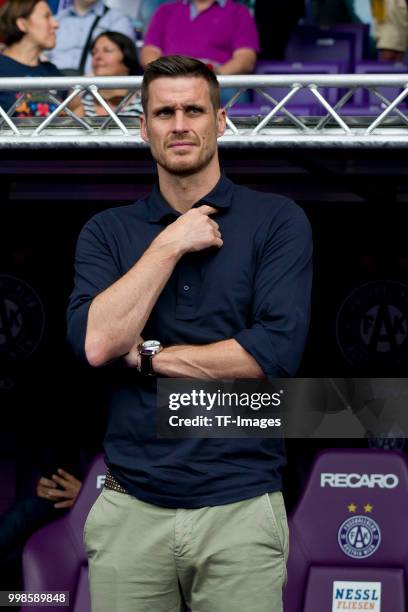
(201, 5)
(82, 7)
(181, 192)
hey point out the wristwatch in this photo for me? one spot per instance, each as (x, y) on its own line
(147, 350)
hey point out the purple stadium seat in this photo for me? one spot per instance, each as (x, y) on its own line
(361, 32)
(349, 534)
(343, 44)
(304, 97)
(365, 97)
(54, 558)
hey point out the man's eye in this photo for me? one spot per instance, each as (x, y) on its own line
(166, 112)
(194, 111)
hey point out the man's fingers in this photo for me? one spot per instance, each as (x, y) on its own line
(48, 493)
(63, 494)
(61, 481)
(66, 475)
(64, 504)
(46, 482)
(207, 210)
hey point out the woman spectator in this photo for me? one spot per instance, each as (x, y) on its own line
(28, 28)
(113, 54)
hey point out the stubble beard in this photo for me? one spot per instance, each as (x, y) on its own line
(178, 168)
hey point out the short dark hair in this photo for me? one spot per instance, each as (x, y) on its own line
(9, 13)
(127, 47)
(177, 66)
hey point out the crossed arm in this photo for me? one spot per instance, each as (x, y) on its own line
(118, 314)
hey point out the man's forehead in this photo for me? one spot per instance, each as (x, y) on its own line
(176, 90)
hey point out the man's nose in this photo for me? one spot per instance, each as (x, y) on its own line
(180, 123)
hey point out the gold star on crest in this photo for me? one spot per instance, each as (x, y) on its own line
(352, 507)
(368, 508)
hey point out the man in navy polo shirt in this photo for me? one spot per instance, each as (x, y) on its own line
(216, 279)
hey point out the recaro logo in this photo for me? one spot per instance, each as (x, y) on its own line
(356, 481)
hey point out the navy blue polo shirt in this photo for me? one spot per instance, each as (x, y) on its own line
(255, 288)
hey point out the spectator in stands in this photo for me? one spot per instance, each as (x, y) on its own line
(81, 23)
(113, 54)
(390, 29)
(221, 33)
(53, 496)
(28, 28)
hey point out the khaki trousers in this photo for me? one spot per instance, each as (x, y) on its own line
(229, 558)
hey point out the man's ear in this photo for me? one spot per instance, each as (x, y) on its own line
(143, 128)
(221, 121)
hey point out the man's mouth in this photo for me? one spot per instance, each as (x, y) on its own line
(182, 143)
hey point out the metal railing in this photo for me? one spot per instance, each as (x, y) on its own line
(276, 123)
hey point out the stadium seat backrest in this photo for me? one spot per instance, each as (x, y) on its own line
(303, 97)
(338, 44)
(350, 530)
(54, 558)
(366, 97)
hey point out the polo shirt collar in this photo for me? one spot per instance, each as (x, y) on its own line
(219, 197)
(96, 8)
(193, 8)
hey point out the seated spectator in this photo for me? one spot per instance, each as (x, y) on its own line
(221, 33)
(390, 29)
(53, 496)
(28, 29)
(113, 54)
(81, 23)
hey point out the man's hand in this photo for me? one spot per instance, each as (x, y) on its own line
(118, 315)
(193, 231)
(65, 497)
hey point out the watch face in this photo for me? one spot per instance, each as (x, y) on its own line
(150, 347)
(151, 344)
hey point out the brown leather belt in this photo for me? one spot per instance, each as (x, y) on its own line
(112, 483)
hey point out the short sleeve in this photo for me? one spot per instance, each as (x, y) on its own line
(157, 28)
(281, 300)
(95, 270)
(245, 31)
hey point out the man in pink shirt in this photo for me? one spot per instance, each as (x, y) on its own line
(222, 33)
